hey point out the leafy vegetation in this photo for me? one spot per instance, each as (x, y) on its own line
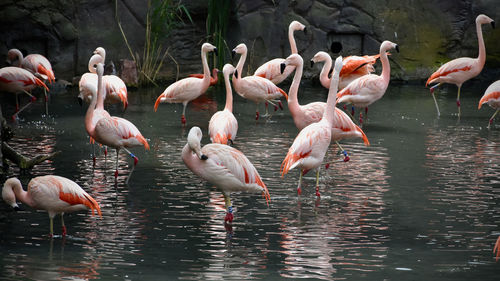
(217, 23)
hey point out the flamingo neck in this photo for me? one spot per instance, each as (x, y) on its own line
(293, 45)
(229, 94)
(20, 57)
(89, 126)
(386, 66)
(293, 100)
(206, 69)
(100, 93)
(482, 50)
(331, 102)
(240, 64)
(22, 195)
(323, 75)
(190, 159)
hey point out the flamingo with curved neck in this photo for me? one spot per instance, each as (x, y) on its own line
(188, 89)
(459, 70)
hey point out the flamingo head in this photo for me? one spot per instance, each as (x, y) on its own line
(295, 25)
(387, 45)
(240, 49)
(319, 56)
(194, 139)
(228, 69)
(8, 194)
(293, 59)
(100, 51)
(207, 47)
(14, 57)
(94, 60)
(484, 19)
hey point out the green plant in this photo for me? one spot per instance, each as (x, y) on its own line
(217, 23)
(162, 17)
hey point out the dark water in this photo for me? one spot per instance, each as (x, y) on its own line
(421, 203)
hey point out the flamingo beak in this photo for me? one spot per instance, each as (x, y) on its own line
(282, 67)
(216, 52)
(397, 48)
(203, 157)
(493, 24)
(312, 63)
(305, 30)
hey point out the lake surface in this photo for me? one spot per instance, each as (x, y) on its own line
(421, 203)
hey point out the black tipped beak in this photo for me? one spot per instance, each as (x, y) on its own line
(236, 73)
(216, 52)
(312, 63)
(282, 67)
(80, 101)
(233, 53)
(305, 30)
(204, 157)
(16, 208)
(493, 24)
(397, 48)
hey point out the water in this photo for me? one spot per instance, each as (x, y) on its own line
(421, 203)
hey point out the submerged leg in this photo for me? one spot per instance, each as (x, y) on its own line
(434, 97)
(229, 215)
(51, 234)
(135, 163)
(63, 226)
(493, 116)
(317, 182)
(299, 190)
(458, 100)
(116, 170)
(183, 116)
(46, 102)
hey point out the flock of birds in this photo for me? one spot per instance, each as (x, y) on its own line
(319, 123)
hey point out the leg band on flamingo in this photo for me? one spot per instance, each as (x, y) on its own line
(346, 156)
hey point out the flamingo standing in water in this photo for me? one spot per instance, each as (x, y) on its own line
(223, 126)
(460, 70)
(188, 89)
(224, 166)
(369, 88)
(492, 98)
(309, 147)
(354, 67)
(16, 80)
(271, 69)
(254, 88)
(213, 79)
(303, 115)
(54, 194)
(34, 63)
(114, 132)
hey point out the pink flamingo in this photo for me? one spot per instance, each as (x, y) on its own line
(114, 132)
(223, 126)
(459, 70)
(54, 194)
(16, 80)
(254, 88)
(369, 88)
(271, 69)
(224, 166)
(354, 67)
(213, 79)
(34, 63)
(115, 90)
(188, 89)
(492, 98)
(497, 248)
(303, 115)
(309, 147)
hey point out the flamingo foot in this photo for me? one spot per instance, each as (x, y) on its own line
(183, 119)
(317, 192)
(327, 166)
(116, 174)
(280, 104)
(299, 191)
(256, 115)
(64, 232)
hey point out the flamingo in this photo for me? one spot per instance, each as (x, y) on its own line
(213, 79)
(254, 88)
(459, 70)
(369, 88)
(492, 98)
(354, 67)
(16, 80)
(224, 166)
(303, 115)
(223, 126)
(115, 90)
(271, 69)
(34, 63)
(54, 194)
(188, 89)
(497, 248)
(310, 145)
(115, 132)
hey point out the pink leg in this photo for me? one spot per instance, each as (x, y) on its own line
(256, 115)
(183, 119)
(64, 232)
(280, 104)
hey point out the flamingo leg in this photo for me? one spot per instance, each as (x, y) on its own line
(493, 116)
(33, 99)
(93, 154)
(267, 110)
(64, 232)
(317, 183)
(434, 97)
(346, 156)
(299, 190)
(183, 116)
(51, 234)
(135, 163)
(116, 171)
(458, 100)
(46, 102)
(257, 112)
(229, 206)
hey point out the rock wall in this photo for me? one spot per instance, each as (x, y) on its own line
(429, 32)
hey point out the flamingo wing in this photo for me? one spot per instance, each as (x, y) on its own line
(492, 94)
(184, 90)
(129, 131)
(450, 69)
(343, 127)
(87, 86)
(271, 71)
(222, 127)
(115, 89)
(255, 87)
(314, 111)
(38, 64)
(15, 79)
(354, 63)
(363, 88)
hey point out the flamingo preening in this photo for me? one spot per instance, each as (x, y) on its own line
(459, 70)
(188, 89)
(271, 69)
(303, 115)
(54, 194)
(223, 166)
(223, 126)
(367, 89)
(492, 98)
(309, 147)
(114, 132)
(254, 88)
